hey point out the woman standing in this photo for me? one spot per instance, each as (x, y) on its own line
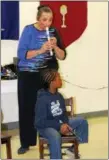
(34, 56)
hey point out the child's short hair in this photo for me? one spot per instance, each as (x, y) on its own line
(48, 75)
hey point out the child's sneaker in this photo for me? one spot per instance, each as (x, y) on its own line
(70, 152)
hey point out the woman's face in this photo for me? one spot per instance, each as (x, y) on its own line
(45, 20)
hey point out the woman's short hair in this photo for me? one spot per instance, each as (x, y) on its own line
(43, 8)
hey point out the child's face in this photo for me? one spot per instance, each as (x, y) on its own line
(57, 82)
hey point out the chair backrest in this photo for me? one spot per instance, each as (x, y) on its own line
(69, 106)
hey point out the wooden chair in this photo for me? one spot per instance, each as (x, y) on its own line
(65, 139)
(6, 139)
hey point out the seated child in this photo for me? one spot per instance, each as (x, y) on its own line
(51, 119)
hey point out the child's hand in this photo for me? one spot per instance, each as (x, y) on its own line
(65, 129)
(70, 129)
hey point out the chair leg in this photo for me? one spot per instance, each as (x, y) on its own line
(41, 150)
(76, 149)
(8, 149)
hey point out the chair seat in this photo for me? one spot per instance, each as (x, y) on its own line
(5, 138)
(68, 139)
(65, 139)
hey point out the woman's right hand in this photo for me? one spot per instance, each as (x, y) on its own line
(46, 47)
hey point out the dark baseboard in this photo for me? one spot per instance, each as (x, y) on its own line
(9, 126)
(15, 125)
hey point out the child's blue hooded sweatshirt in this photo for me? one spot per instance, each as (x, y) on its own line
(50, 110)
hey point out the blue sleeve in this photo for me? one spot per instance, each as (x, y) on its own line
(41, 120)
(23, 46)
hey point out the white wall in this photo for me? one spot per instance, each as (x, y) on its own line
(87, 60)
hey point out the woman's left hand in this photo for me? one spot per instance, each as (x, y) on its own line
(53, 41)
(60, 53)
